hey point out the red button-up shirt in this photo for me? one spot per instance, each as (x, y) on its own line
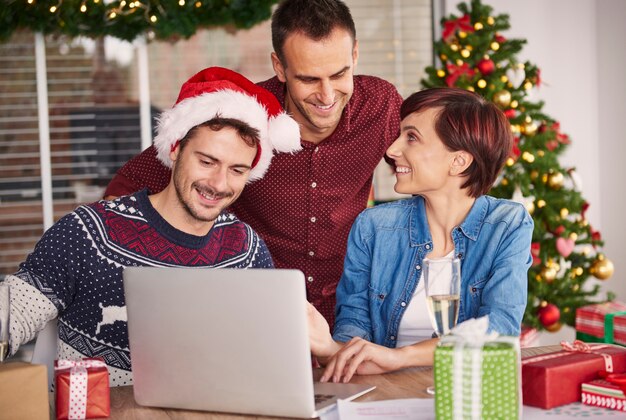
(306, 203)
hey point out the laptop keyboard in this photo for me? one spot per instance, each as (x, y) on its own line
(319, 398)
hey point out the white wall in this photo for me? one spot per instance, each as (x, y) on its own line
(580, 49)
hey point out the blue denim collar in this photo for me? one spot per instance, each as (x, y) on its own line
(420, 233)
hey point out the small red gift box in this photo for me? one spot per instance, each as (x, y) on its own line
(596, 323)
(554, 379)
(602, 393)
(82, 389)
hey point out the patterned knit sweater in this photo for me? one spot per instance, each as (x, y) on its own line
(75, 273)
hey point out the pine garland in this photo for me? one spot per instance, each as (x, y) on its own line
(128, 19)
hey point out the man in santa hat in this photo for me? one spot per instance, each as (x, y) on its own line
(306, 204)
(221, 133)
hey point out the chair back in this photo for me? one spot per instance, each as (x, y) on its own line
(45, 350)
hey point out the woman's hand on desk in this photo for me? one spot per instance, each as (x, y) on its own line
(365, 358)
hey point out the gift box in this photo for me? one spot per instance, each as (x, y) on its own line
(554, 379)
(24, 391)
(82, 389)
(528, 337)
(603, 393)
(596, 323)
(477, 377)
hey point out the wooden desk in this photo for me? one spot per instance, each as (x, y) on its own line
(407, 383)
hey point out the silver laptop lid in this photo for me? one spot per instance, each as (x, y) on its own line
(187, 353)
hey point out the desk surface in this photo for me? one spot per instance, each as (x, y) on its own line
(407, 383)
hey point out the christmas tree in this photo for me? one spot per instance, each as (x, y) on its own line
(474, 55)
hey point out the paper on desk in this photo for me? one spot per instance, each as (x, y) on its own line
(408, 408)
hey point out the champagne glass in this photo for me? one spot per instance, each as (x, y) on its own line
(4, 320)
(442, 284)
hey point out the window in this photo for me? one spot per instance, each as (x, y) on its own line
(94, 103)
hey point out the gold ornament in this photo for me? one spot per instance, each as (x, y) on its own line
(491, 20)
(495, 46)
(564, 212)
(541, 203)
(454, 47)
(504, 181)
(573, 236)
(510, 162)
(554, 327)
(443, 57)
(575, 287)
(528, 157)
(465, 53)
(481, 83)
(478, 26)
(530, 207)
(556, 180)
(602, 268)
(528, 86)
(462, 34)
(540, 153)
(530, 129)
(548, 273)
(514, 104)
(544, 178)
(504, 79)
(534, 174)
(543, 304)
(470, 88)
(502, 98)
(441, 73)
(579, 271)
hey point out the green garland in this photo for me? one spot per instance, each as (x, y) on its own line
(128, 19)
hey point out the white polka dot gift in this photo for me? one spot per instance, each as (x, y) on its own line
(82, 388)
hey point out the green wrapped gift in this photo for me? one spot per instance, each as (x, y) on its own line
(477, 378)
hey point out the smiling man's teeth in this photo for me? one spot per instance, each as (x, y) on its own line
(207, 196)
(402, 170)
(324, 106)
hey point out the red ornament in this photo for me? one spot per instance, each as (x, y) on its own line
(534, 251)
(549, 315)
(450, 27)
(510, 113)
(486, 66)
(499, 38)
(454, 72)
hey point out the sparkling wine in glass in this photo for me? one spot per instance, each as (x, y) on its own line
(442, 284)
(4, 320)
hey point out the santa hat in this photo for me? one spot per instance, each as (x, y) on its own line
(217, 91)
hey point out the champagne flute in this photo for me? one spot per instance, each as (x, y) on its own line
(442, 284)
(4, 320)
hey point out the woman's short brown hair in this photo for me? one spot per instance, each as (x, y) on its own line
(466, 121)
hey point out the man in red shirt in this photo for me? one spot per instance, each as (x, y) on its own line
(306, 203)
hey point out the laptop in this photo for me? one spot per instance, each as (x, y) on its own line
(227, 340)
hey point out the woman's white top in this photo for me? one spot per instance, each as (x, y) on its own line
(415, 325)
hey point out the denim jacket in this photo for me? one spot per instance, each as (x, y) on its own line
(383, 264)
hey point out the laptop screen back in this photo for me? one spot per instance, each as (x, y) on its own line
(227, 340)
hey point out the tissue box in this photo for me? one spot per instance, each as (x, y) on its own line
(597, 323)
(458, 380)
(84, 383)
(554, 379)
(602, 393)
(24, 391)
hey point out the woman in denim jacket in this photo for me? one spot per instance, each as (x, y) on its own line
(451, 148)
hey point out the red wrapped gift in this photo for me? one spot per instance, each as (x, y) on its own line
(82, 389)
(528, 337)
(596, 322)
(603, 393)
(619, 329)
(554, 379)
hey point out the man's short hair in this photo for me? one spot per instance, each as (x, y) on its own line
(314, 18)
(248, 134)
(467, 121)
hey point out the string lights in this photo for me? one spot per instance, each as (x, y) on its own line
(127, 19)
